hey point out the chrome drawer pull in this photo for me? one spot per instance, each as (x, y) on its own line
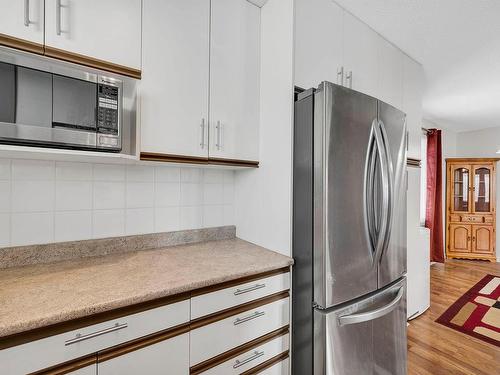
(249, 289)
(256, 354)
(80, 337)
(249, 317)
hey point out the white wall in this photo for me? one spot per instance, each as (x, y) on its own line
(47, 201)
(263, 196)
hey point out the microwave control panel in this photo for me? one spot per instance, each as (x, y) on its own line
(107, 109)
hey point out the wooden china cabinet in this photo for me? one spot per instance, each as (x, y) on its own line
(471, 215)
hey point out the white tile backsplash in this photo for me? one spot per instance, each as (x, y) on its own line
(30, 228)
(73, 225)
(73, 195)
(32, 196)
(45, 201)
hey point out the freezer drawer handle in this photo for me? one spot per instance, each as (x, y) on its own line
(256, 354)
(249, 317)
(79, 337)
(249, 289)
(374, 314)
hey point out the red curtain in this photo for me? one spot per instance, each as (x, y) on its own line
(434, 208)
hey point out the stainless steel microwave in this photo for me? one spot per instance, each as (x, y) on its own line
(52, 105)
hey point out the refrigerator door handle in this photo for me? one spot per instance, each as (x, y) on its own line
(368, 196)
(388, 204)
(373, 314)
(380, 237)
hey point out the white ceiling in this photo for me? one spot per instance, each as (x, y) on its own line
(458, 44)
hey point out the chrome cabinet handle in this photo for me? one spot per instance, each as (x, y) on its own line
(58, 17)
(26, 13)
(80, 337)
(373, 314)
(256, 354)
(340, 75)
(249, 317)
(348, 79)
(218, 142)
(202, 125)
(249, 289)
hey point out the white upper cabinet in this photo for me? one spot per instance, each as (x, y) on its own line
(22, 19)
(361, 61)
(108, 30)
(390, 76)
(318, 42)
(413, 87)
(234, 80)
(175, 76)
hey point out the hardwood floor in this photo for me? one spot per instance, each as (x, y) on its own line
(434, 349)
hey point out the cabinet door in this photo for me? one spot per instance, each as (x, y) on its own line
(482, 188)
(234, 80)
(166, 357)
(390, 76)
(460, 238)
(23, 20)
(413, 85)
(108, 30)
(482, 239)
(360, 55)
(174, 85)
(318, 42)
(459, 185)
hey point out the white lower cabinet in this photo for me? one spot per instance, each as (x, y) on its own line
(280, 368)
(89, 370)
(213, 339)
(251, 358)
(166, 357)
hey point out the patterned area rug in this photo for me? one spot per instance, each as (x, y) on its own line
(477, 312)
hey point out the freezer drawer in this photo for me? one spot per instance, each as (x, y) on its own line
(366, 337)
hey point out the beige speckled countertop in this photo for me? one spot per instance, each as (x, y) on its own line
(41, 295)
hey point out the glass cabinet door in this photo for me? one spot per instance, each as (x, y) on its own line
(481, 188)
(460, 175)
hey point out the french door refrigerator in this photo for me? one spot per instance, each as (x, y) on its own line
(349, 234)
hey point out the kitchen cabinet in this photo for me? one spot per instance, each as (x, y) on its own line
(318, 42)
(107, 30)
(390, 75)
(174, 85)
(360, 55)
(471, 217)
(234, 80)
(171, 356)
(22, 24)
(211, 66)
(413, 87)
(89, 370)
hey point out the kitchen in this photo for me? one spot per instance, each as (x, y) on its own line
(173, 201)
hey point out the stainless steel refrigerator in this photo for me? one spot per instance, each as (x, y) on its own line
(349, 234)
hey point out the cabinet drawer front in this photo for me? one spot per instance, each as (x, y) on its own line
(280, 368)
(210, 303)
(472, 219)
(220, 336)
(251, 358)
(63, 347)
(170, 356)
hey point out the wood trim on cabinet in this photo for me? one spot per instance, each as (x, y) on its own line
(472, 160)
(25, 45)
(58, 328)
(234, 352)
(69, 366)
(241, 280)
(411, 162)
(142, 342)
(238, 162)
(91, 62)
(171, 158)
(223, 314)
(265, 365)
